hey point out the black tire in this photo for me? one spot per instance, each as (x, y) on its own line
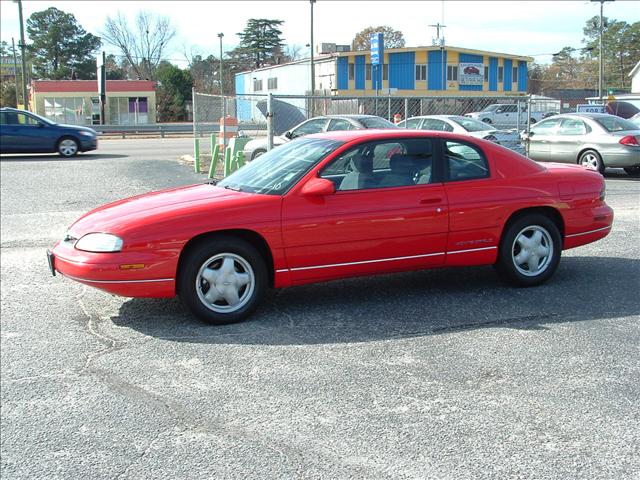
(67, 147)
(591, 159)
(487, 120)
(633, 171)
(511, 269)
(532, 121)
(257, 153)
(491, 138)
(210, 255)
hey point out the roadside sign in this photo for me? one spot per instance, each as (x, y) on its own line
(590, 108)
(377, 48)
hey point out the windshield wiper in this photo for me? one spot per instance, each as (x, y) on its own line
(211, 181)
(235, 188)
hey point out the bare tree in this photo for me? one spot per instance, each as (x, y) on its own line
(143, 46)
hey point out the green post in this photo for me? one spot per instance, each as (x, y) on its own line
(215, 152)
(227, 161)
(196, 155)
(239, 159)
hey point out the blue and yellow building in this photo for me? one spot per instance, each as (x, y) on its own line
(414, 71)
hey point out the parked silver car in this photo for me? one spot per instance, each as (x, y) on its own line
(451, 123)
(328, 123)
(596, 140)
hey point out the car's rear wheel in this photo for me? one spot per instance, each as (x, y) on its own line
(591, 159)
(487, 120)
(491, 138)
(257, 153)
(67, 147)
(530, 250)
(633, 171)
(532, 121)
(222, 280)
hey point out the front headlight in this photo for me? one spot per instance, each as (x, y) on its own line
(85, 133)
(99, 242)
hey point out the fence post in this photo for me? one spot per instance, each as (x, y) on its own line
(389, 107)
(527, 141)
(215, 152)
(193, 111)
(518, 117)
(223, 124)
(270, 121)
(196, 155)
(239, 159)
(406, 111)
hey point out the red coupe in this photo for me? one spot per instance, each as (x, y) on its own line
(338, 205)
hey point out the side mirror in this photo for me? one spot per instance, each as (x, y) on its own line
(288, 135)
(318, 187)
(40, 125)
(500, 110)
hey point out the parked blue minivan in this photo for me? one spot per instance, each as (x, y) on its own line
(26, 132)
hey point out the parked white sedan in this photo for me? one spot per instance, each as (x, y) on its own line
(453, 123)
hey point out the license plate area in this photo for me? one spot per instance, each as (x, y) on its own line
(51, 259)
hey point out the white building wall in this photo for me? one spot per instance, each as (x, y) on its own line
(292, 79)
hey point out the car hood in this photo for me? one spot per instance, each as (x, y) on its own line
(124, 214)
(76, 128)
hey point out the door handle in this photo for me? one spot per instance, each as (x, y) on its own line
(430, 201)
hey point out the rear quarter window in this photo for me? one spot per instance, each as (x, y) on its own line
(464, 161)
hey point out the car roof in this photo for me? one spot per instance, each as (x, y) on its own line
(384, 134)
(352, 116)
(592, 116)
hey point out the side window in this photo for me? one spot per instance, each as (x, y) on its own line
(397, 163)
(312, 126)
(339, 124)
(572, 126)
(511, 108)
(26, 120)
(464, 161)
(435, 124)
(546, 127)
(411, 123)
(8, 118)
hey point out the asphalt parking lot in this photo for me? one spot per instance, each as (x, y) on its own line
(443, 374)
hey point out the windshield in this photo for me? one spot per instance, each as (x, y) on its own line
(471, 125)
(275, 172)
(376, 122)
(491, 108)
(616, 124)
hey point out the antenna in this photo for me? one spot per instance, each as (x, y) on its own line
(438, 42)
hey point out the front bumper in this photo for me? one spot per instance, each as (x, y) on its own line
(105, 271)
(88, 144)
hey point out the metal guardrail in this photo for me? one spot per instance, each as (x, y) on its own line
(164, 129)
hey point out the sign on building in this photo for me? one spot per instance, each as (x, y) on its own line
(377, 48)
(470, 73)
(590, 108)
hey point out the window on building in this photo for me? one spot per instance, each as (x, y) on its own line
(272, 83)
(385, 72)
(421, 72)
(500, 74)
(452, 73)
(514, 76)
(486, 74)
(352, 71)
(257, 85)
(69, 110)
(367, 71)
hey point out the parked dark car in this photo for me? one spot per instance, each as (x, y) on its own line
(471, 71)
(26, 132)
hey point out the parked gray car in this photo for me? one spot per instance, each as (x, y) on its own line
(328, 123)
(596, 140)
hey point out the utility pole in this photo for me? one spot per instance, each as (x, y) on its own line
(220, 35)
(601, 73)
(23, 59)
(15, 68)
(313, 72)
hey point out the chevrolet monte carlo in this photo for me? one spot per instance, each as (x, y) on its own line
(336, 205)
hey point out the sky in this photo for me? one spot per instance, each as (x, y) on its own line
(533, 28)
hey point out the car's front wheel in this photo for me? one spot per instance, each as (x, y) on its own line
(257, 153)
(591, 159)
(530, 251)
(222, 280)
(68, 147)
(633, 171)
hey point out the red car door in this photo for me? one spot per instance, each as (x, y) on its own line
(389, 213)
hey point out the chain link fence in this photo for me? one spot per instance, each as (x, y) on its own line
(507, 115)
